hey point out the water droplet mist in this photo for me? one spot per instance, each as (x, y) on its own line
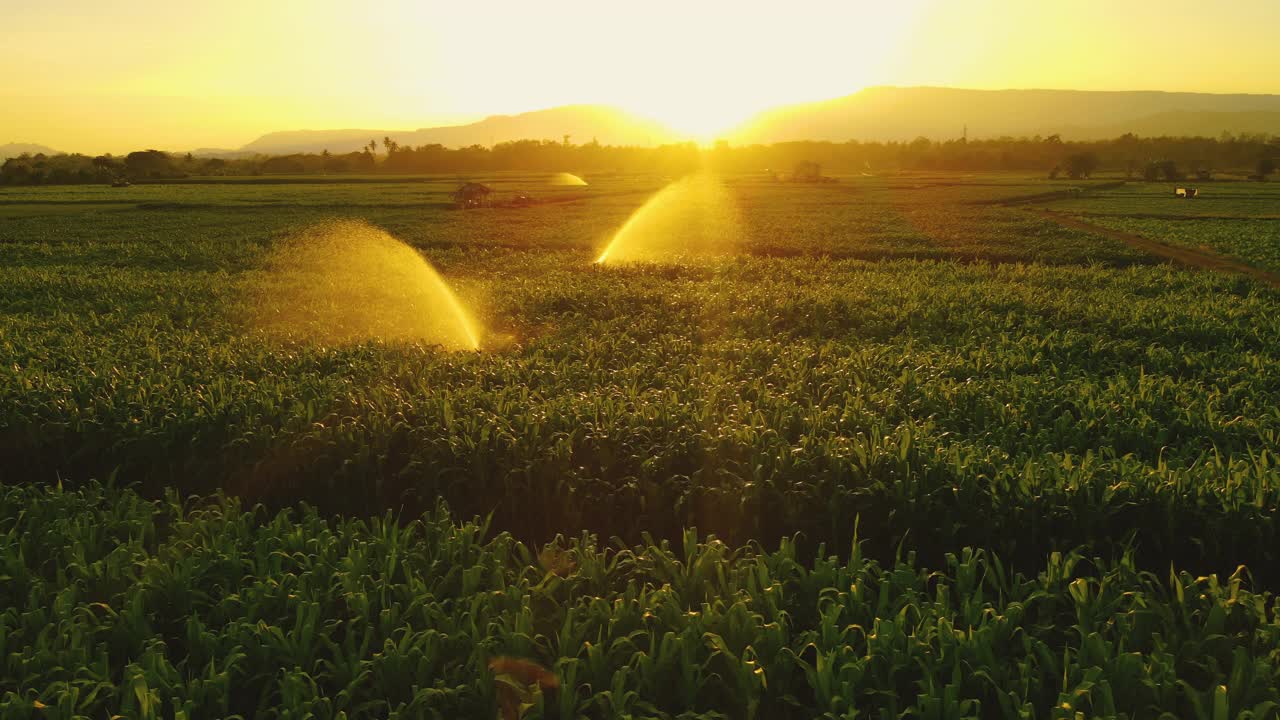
(347, 282)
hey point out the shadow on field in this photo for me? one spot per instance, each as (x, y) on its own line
(903, 500)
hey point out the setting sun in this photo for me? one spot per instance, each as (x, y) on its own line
(158, 73)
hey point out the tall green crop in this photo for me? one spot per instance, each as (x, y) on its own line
(199, 609)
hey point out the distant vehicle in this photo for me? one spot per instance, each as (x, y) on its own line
(120, 183)
(1187, 193)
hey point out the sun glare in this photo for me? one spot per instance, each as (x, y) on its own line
(701, 122)
(703, 68)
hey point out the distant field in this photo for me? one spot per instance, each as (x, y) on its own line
(1252, 240)
(1216, 199)
(861, 217)
(900, 357)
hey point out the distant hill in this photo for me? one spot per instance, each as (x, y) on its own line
(225, 153)
(891, 113)
(9, 150)
(608, 125)
(873, 114)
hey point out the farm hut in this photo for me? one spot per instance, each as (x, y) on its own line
(807, 171)
(471, 195)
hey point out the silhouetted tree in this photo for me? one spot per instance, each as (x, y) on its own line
(1081, 165)
(807, 171)
(1230, 153)
(285, 164)
(149, 163)
(1158, 168)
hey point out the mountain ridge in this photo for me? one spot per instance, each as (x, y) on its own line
(902, 114)
(14, 149)
(875, 114)
(606, 124)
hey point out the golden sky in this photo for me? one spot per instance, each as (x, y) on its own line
(97, 76)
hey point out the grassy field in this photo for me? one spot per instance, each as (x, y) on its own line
(1237, 220)
(949, 451)
(1253, 240)
(1243, 199)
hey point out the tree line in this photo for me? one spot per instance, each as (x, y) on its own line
(1150, 158)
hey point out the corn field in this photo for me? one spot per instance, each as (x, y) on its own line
(905, 453)
(200, 608)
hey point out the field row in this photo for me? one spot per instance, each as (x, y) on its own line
(1020, 408)
(116, 606)
(825, 224)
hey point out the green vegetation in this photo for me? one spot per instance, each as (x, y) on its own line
(1224, 200)
(898, 359)
(198, 609)
(1256, 241)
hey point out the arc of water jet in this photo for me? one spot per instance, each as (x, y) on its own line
(694, 214)
(348, 281)
(463, 318)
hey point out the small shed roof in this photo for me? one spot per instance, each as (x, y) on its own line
(472, 189)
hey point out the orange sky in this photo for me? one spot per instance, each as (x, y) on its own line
(94, 76)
